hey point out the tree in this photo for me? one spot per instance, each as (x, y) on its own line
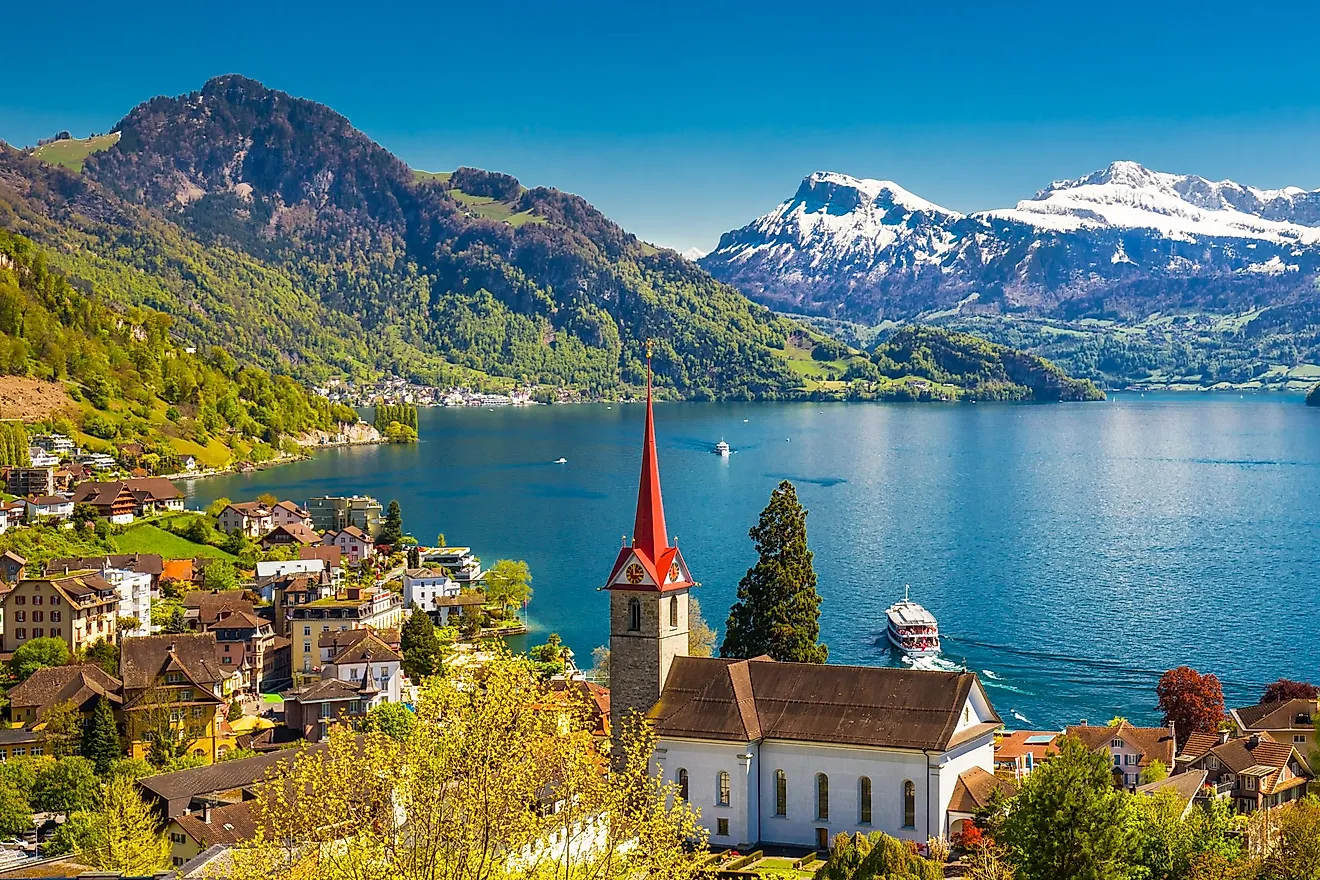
(1170, 844)
(392, 530)
(65, 786)
(701, 638)
(267, 500)
(37, 654)
(1286, 689)
(422, 654)
(217, 507)
(778, 608)
(157, 720)
(857, 856)
(121, 835)
(600, 665)
(1155, 772)
(84, 513)
(508, 584)
(414, 557)
(1068, 820)
(550, 658)
(1297, 854)
(100, 739)
(392, 719)
(219, 574)
(62, 729)
(451, 799)
(15, 812)
(176, 623)
(106, 654)
(1192, 702)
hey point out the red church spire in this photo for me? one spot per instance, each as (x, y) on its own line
(649, 534)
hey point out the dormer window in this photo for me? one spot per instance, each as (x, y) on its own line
(173, 677)
(1116, 743)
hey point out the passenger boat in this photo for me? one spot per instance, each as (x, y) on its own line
(912, 629)
(721, 448)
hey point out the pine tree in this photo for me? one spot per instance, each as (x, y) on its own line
(778, 608)
(421, 646)
(100, 742)
(392, 530)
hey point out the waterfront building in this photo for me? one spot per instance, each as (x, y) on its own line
(1132, 749)
(1018, 752)
(1254, 772)
(460, 562)
(349, 608)
(787, 753)
(251, 519)
(1286, 721)
(331, 513)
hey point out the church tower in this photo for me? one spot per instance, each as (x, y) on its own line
(648, 589)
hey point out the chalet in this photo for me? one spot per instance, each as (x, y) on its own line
(1132, 749)
(290, 533)
(79, 609)
(82, 685)
(173, 683)
(249, 518)
(1255, 772)
(114, 501)
(155, 495)
(1286, 721)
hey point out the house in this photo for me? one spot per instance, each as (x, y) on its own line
(588, 694)
(286, 513)
(329, 554)
(289, 533)
(40, 507)
(134, 589)
(113, 501)
(79, 609)
(20, 742)
(193, 833)
(12, 567)
(82, 685)
(1132, 749)
(1186, 787)
(287, 591)
(335, 642)
(1286, 721)
(1255, 771)
(973, 792)
(247, 643)
(97, 461)
(249, 518)
(310, 710)
(334, 513)
(423, 586)
(272, 574)
(188, 462)
(372, 666)
(458, 561)
(56, 443)
(4, 519)
(41, 458)
(180, 571)
(25, 481)
(67, 476)
(173, 683)
(149, 564)
(202, 609)
(349, 608)
(155, 495)
(353, 543)
(176, 794)
(1018, 752)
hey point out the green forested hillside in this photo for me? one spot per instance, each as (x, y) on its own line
(128, 379)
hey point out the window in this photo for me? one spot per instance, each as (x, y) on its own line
(781, 793)
(37, 616)
(722, 789)
(37, 632)
(909, 805)
(55, 632)
(682, 777)
(1299, 738)
(1116, 743)
(54, 617)
(21, 600)
(36, 600)
(186, 694)
(1212, 763)
(864, 814)
(673, 612)
(822, 796)
(722, 827)
(227, 660)
(177, 837)
(1118, 760)
(634, 615)
(1250, 784)
(20, 616)
(54, 600)
(20, 633)
(307, 630)
(173, 677)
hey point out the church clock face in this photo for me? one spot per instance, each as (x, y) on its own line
(674, 573)
(634, 573)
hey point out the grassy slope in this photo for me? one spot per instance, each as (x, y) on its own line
(71, 153)
(149, 538)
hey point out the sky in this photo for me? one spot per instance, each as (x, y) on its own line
(684, 120)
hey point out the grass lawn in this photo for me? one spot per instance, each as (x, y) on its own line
(485, 206)
(781, 866)
(73, 152)
(147, 538)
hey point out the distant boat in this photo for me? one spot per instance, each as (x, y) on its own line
(721, 448)
(744, 421)
(912, 629)
(561, 461)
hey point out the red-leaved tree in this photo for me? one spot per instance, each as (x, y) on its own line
(1286, 689)
(1190, 701)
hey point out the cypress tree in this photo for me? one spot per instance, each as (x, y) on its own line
(392, 530)
(100, 741)
(778, 608)
(420, 646)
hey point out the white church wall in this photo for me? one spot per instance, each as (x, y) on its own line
(979, 752)
(703, 760)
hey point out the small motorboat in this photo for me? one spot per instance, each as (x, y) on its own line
(721, 448)
(561, 461)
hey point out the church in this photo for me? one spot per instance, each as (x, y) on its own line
(787, 753)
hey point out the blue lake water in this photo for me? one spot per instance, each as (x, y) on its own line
(1071, 552)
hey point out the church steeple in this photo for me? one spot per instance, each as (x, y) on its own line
(649, 533)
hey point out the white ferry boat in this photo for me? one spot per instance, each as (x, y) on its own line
(721, 448)
(912, 629)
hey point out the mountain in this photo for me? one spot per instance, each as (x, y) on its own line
(1114, 246)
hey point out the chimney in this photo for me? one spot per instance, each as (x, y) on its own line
(206, 814)
(1082, 723)
(1223, 737)
(1253, 740)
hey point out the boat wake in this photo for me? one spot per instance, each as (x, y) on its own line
(1019, 716)
(931, 664)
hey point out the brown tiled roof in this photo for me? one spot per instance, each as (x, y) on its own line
(368, 649)
(860, 705)
(270, 739)
(1284, 715)
(241, 620)
(292, 508)
(144, 660)
(154, 488)
(297, 531)
(232, 823)
(1154, 743)
(1014, 744)
(1198, 744)
(100, 494)
(353, 532)
(973, 789)
(251, 508)
(142, 563)
(339, 640)
(1184, 785)
(59, 684)
(211, 604)
(329, 553)
(1258, 754)
(46, 500)
(322, 691)
(596, 697)
(224, 776)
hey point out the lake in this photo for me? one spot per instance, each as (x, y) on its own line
(1071, 552)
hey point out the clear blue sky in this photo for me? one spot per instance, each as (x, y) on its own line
(683, 120)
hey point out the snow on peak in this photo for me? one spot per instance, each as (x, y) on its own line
(827, 186)
(693, 254)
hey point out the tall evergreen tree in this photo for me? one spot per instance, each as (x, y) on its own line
(392, 531)
(778, 608)
(420, 645)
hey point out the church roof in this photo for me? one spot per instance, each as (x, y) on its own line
(746, 700)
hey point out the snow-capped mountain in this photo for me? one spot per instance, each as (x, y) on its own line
(1123, 238)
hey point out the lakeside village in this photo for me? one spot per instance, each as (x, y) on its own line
(279, 688)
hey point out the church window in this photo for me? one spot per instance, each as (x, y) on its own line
(673, 612)
(909, 805)
(634, 615)
(722, 789)
(822, 796)
(682, 776)
(864, 814)
(781, 793)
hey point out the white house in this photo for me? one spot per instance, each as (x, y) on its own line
(372, 666)
(41, 506)
(286, 513)
(423, 586)
(250, 518)
(4, 519)
(134, 589)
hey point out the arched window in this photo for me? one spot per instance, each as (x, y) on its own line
(682, 783)
(909, 805)
(864, 796)
(673, 612)
(722, 789)
(822, 796)
(634, 615)
(781, 793)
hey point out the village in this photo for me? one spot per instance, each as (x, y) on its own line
(201, 674)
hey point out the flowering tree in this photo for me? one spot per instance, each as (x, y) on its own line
(1190, 701)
